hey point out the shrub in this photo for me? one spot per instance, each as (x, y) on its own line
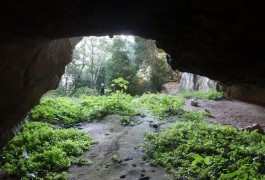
(162, 105)
(59, 110)
(85, 91)
(208, 95)
(207, 151)
(39, 150)
(69, 110)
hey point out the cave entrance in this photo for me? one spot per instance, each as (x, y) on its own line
(147, 115)
(100, 60)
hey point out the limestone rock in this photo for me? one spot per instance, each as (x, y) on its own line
(29, 69)
(192, 82)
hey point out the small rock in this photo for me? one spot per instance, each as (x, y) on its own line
(255, 127)
(194, 102)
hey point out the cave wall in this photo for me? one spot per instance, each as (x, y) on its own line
(29, 68)
(223, 40)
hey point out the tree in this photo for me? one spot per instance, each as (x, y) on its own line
(121, 63)
(99, 60)
(88, 63)
(153, 68)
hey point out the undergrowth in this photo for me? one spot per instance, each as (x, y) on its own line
(198, 150)
(162, 105)
(40, 151)
(208, 95)
(69, 110)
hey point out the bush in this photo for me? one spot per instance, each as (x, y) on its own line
(162, 105)
(116, 103)
(59, 110)
(207, 151)
(85, 91)
(39, 150)
(68, 110)
(208, 95)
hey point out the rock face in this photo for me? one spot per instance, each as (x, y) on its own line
(29, 68)
(190, 82)
(195, 82)
(223, 40)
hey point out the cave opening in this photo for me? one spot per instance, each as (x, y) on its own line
(223, 40)
(146, 112)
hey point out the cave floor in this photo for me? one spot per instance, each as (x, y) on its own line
(123, 141)
(237, 113)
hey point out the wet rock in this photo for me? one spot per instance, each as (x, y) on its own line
(144, 178)
(128, 159)
(123, 176)
(154, 125)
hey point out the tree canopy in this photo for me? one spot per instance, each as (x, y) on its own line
(99, 60)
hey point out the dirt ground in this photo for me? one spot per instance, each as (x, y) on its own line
(237, 113)
(123, 141)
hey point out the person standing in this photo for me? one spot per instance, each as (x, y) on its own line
(102, 89)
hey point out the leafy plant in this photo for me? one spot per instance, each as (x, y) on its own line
(120, 83)
(39, 150)
(59, 110)
(114, 157)
(197, 150)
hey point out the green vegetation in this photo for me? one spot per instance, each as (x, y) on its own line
(41, 151)
(190, 148)
(72, 110)
(209, 95)
(99, 60)
(162, 105)
(64, 110)
(68, 111)
(59, 110)
(197, 150)
(114, 157)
